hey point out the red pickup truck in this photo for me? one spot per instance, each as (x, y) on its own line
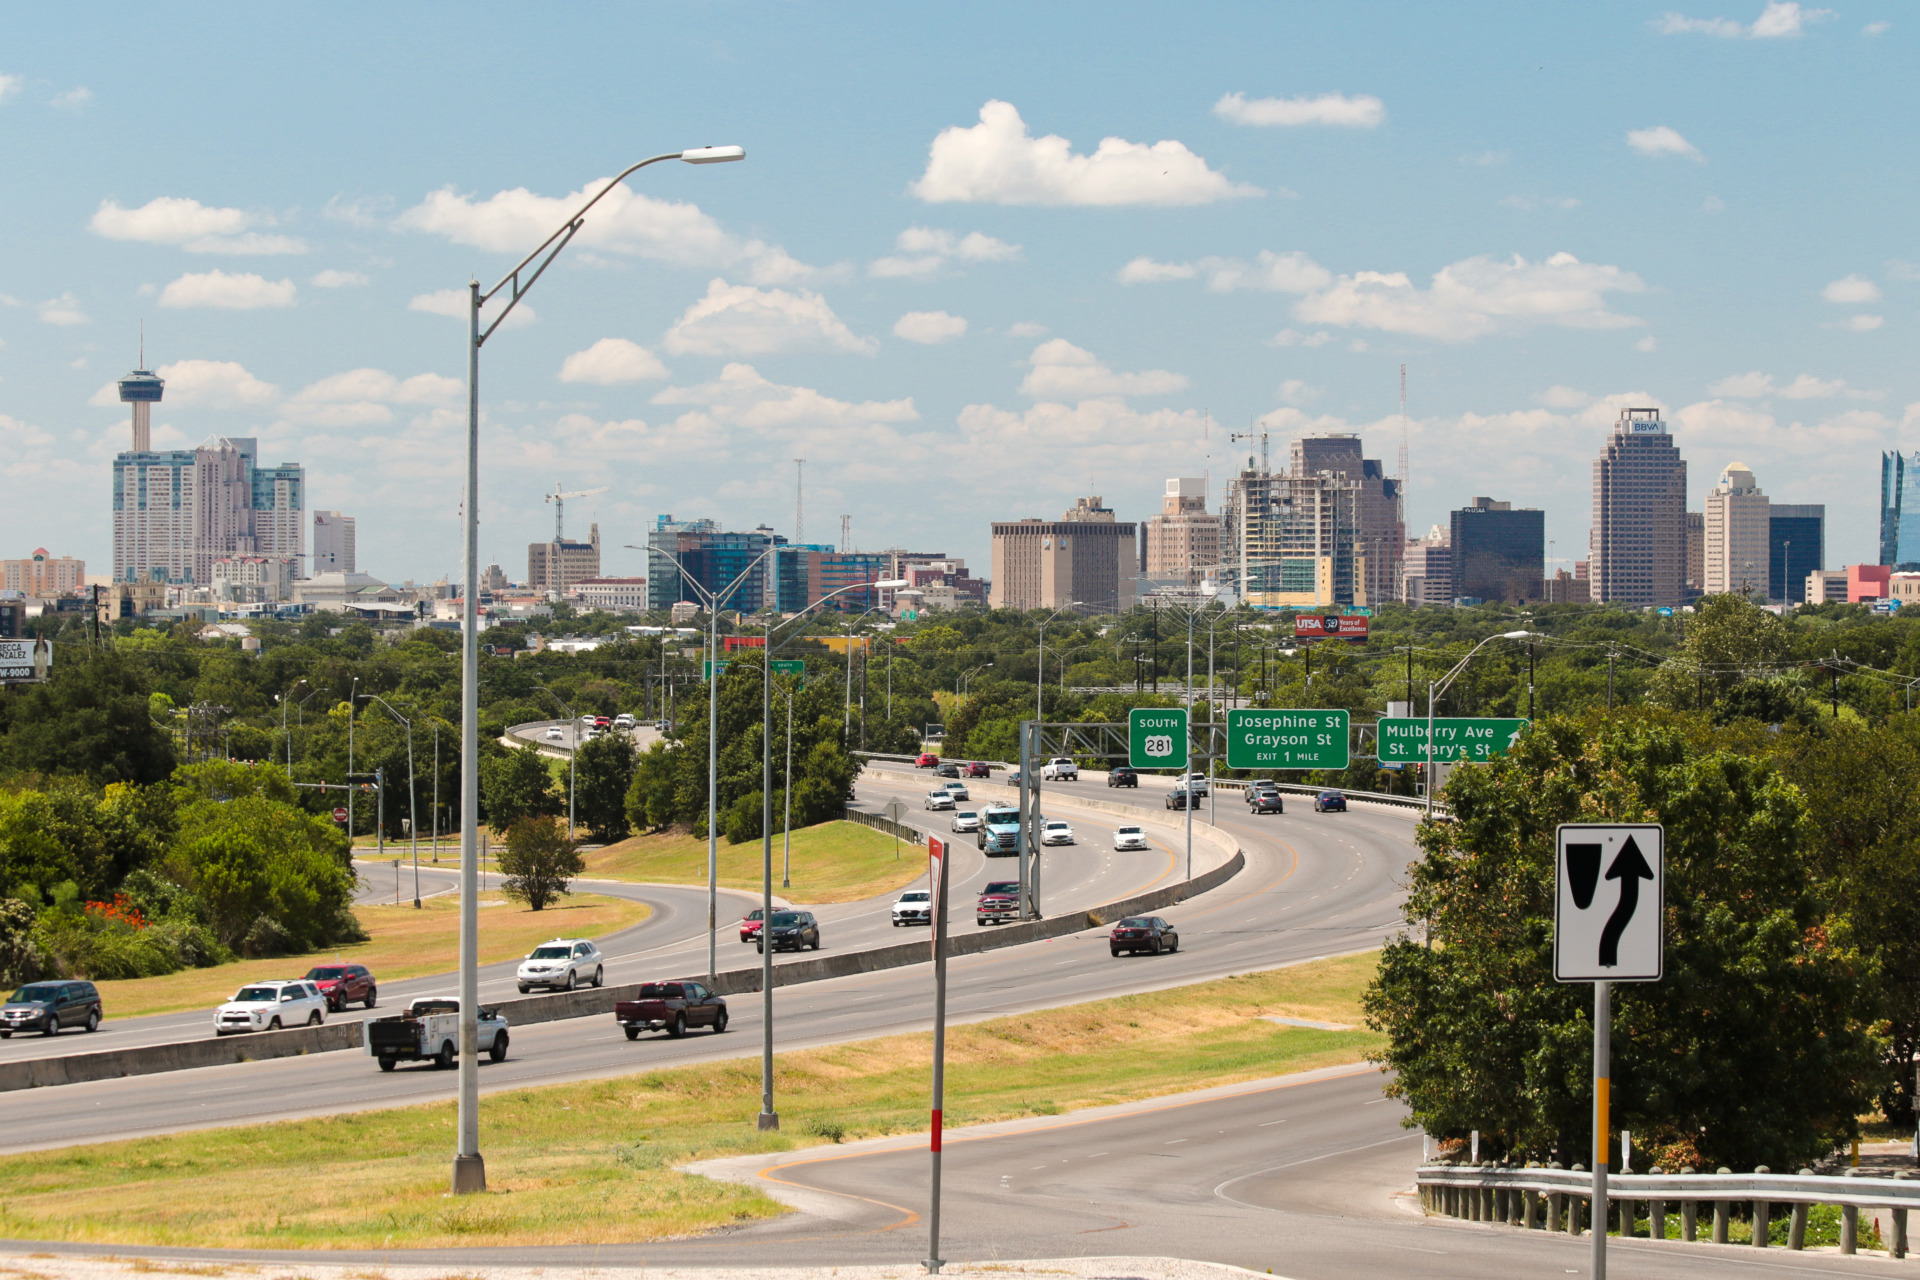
(671, 1007)
(999, 902)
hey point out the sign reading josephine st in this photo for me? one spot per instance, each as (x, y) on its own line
(1404, 741)
(1287, 738)
(1157, 737)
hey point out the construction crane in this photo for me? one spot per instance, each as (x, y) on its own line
(559, 501)
(1261, 436)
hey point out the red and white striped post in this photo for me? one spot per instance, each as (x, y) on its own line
(937, 883)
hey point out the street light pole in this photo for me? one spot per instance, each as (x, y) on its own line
(1437, 687)
(413, 826)
(469, 1168)
(285, 698)
(353, 700)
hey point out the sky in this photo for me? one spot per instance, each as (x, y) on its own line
(980, 259)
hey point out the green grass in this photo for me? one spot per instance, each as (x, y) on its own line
(832, 862)
(594, 1162)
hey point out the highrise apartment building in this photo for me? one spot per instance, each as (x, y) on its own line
(1737, 518)
(1182, 543)
(333, 549)
(712, 557)
(1638, 543)
(1086, 557)
(1696, 551)
(1900, 510)
(1327, 530)
(1498, 553)
(280, 512)
(554, 567)
(41, 574)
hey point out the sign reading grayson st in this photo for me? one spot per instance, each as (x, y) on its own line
(781, 667)
(1610, 890)
(1287, 739)
(24, 661)
(1404, 741)
(1157, 737)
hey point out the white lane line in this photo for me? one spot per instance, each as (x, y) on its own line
(1262, 1126)
(1169, 1142)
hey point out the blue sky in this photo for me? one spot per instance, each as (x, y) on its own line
(980, 258)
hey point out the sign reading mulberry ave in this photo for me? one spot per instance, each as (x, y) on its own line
(1454, 738)
(1287, 739)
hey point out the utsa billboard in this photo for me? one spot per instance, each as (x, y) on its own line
(1315, 626)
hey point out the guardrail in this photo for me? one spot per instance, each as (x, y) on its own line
(1554, 1199)
(912, 835)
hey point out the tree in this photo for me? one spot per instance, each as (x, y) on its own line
(274, 879)
(1752, 1050)
(539, 862)
(1729, 642)
(90, 718)
(603, 773)
(517, 784)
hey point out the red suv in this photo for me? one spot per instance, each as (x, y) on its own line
(926, 760)
(976, 770)
(344, 984)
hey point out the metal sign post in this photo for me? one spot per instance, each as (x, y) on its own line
(937, 881)
(1604, 938)
(893, 813)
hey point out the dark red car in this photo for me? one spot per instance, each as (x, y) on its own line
(926, 760)
(344, 984)
(671, 1007)
(977, 770)
(1144, 933)
(750, 925)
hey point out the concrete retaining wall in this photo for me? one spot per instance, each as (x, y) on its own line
(32, 1073)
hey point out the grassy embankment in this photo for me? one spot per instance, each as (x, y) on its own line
(405, 943)
(832, 862)
(593, 1162)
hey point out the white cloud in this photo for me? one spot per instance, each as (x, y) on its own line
(1296, 391)
(1851, 290)
(624, 222)
(1876, 28)
(9, 85)
(454, 302)
(364, 212)
(742, 320)
(1147, 271)
(924, 251)
(1362, 112)
(243, 291)
(1779, 19)
(1486, 158)
(1713, 204)
(1474, 297)
(929, 327)
(205, 384)
(195, 227)
(1761, 386)
(1648, 343)
(1111, 443)
(1563, 397)
(73, 99)
(331, 279)
(1291, 272)
(63, 310)
(1027, 329)
(998, 161)
(1294, 338)
(1859, 324)
(740, 396)
(611, 361)
(1062, 370)
(1661, 140)
(360, 397)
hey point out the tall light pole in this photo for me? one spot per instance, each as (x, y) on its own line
(573, 751)
(469, 1168)
(413, 826)
(353, 700)
(1040, 680)
(965, 679)
(283, 700)
(1437, 687)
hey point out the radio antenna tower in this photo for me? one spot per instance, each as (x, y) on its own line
(799, 509)
(1403, 430)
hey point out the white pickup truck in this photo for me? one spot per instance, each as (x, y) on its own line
(430, 1031)
(1060, 769)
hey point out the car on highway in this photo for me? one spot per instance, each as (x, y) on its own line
(561, 964)
(51, 1007)
(603, 722)
(1135, 934)
(966, 820)
(792, 931)
(624, 721)
(1265, 802)
(1123, 775)
(1060, 769)
(1129, 838)
(958, 790)
(1000, 831)
(344, 984)
(271, 1006)
(1177, 798)
(946, 769)
(999, 903)
(926, 760)
(1329, 802)
(588, 718)
(977, 770)
(671, 1007)
(915, 906)
(1056, 832)
(939, 799)
(1194, 782)
(750, 925)
(555, 733)
(1013, 776)
(663, 725)
(429, 1031)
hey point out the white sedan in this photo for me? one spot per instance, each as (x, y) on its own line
(555, 733)
(271, 1006)
(1056, 832)
(915, 906)
(1129, 838)
(939, 800)
(966, 820)
(561, 964)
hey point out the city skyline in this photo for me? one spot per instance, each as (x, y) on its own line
(970, 279)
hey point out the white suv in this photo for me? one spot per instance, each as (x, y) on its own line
(1060, 769)
(561, 964)
(271, 1006)
(915, 906)
(623, 721)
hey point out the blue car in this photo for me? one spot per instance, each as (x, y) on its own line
(1329, 802)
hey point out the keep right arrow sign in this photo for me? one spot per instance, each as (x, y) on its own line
(1609, 902)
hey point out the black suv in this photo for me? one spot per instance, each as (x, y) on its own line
(49, 1007)
(791, 931)
(1122, 775)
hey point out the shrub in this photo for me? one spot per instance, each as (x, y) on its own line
(539, 862)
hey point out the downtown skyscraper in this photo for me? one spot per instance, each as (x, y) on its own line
(1638, 542)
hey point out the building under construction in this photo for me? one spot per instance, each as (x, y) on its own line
(1327, 530)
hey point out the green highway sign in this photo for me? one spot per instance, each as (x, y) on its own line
(1157, 737)
(706, 669)
(1287, 739)
(1404, 741)
(781, 667)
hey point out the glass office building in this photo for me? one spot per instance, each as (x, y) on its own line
(1900, 511)
(1498, 553)
(1797, 545)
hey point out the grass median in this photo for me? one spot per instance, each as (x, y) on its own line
(594, 1162)
(404, 943)
(832, 862)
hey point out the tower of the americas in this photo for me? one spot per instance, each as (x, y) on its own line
(142, 389)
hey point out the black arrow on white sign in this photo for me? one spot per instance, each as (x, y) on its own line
(1629, 868)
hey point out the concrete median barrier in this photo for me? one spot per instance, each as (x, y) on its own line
(183, 1055)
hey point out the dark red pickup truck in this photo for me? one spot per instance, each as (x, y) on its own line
(671, 1007)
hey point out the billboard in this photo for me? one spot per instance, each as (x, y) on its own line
(1316, 626)
(25, 661)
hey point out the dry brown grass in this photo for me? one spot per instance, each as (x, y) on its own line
(832, 862)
